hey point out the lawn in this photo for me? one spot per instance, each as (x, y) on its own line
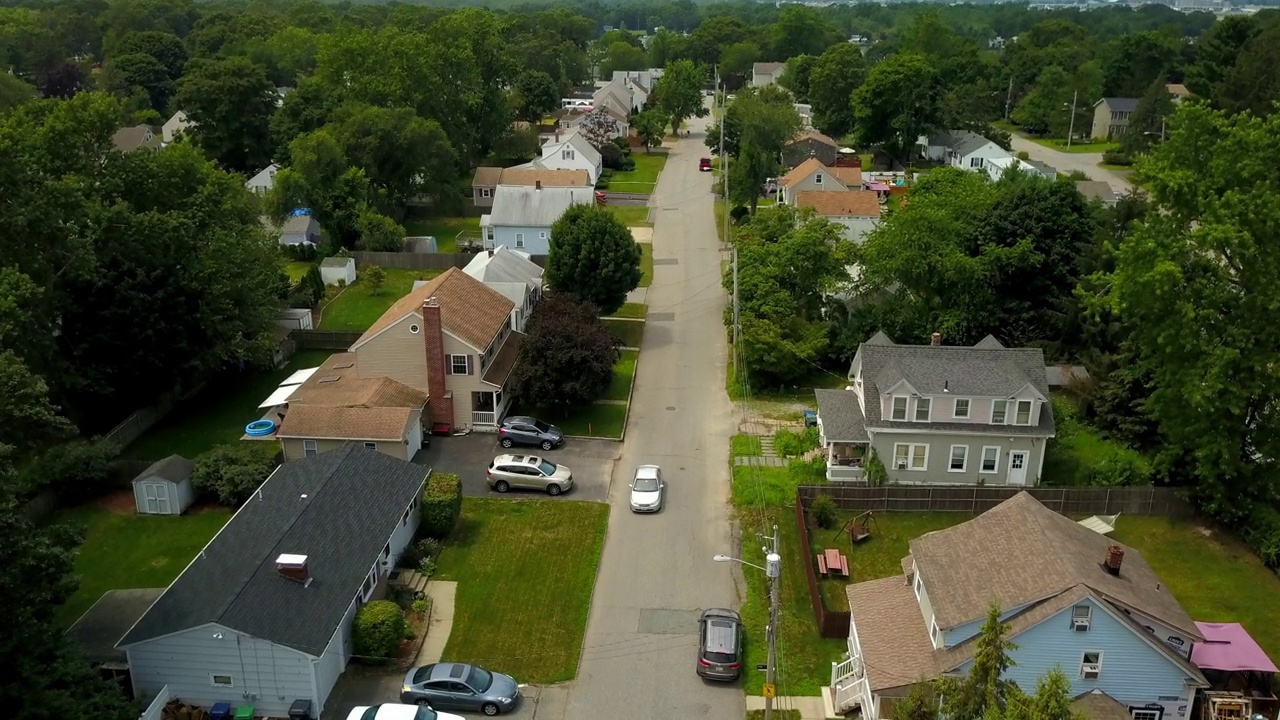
(630, 332)
(633, 311)
(643, 178)
(745, 445)
(356, 308)
(295, 269)
(123, 550)
(624, 374)
(1115, 168)
(646, 264)
(603, 421)
(525, 571)
(631, 215)
(218, 413)
(444, 229)
(1076, 147)
(802, 391)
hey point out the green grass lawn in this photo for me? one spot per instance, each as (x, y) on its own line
(218, 413)
(747, 445)
(356, 308)
(802, 391)
(525, 571)
(295, 269)
(604, 421)
(646, 264)
(124, 551)
(643, 178)
(1114, 167)
(631, 215)
(777, 714)
(1076, 146)
(444, 229)
(633, 311)
(629, 332)
(624, 374)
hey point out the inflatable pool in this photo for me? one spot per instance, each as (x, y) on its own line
(259, 428)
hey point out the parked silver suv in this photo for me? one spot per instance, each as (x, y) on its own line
(528, 472)
(522, 430)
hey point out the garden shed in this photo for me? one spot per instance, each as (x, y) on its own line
(338, 270)
(165, 487)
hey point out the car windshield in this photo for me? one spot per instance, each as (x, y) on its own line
(547, 468)
(542, 427)
(424, 672)
(425, 713)
(370, 714)
(479, 680)
(646, 484)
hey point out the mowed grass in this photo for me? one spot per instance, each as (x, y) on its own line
(646, 264)
(602, 421)
(444, 229)
(218, 413)
(1076, 146)
(629, 332)
(631, 215)
(124, 551)
(357, 307)
(624, 375)
(633, 311)
(644, 177)
(295, 269)
(525, 571)
(745, 445)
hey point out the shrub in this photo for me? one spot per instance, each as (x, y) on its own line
(1080, 455)
(441, 505)
(232, 472)
(421, 606)
(791, 443)
(739, 212)
(1024, 155)
(1262, 532)
(808, 472)
(76, 469)
(310, 289)
(1115, 157)
(378, 631)
(428, 547)
(876, 473)
(824, 511)
(605, 176)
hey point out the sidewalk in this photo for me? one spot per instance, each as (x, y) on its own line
(441, 593)
(810, 707)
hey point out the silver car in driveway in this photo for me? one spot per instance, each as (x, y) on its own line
(458, 686)
(648, 491)
(720, 644)
(528, 472)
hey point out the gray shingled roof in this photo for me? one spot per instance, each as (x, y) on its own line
(524, 206)
(841, 417)
(964, 142)
(337, 508)
(504, 265)
(174, 468)
(1121, 104)
(987, 369)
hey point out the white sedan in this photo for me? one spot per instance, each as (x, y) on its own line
(397, 711)
(648, 491)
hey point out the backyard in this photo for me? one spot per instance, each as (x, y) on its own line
(218, 413)
(295, 269)
(357, 307)
(444, 229)
(643, 178)
(525, 571)
(122, 550)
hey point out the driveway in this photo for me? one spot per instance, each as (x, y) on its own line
(468, 457)
(656, 571)
(1067, 163)
(366, 686)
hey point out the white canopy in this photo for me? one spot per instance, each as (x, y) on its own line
(299, 377)
(280, 396)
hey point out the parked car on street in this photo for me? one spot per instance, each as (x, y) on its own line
(396, 711)
(648, 489)
(524, 430)
(458, 686)
(720, 644)
(528, 472)
(704, 165)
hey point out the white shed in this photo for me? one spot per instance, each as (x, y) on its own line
(338, 270)
(165, 487)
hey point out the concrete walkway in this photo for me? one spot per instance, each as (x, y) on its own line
(441, 593)
(810, 707)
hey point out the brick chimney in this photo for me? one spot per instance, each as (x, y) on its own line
(440, 404)
(293, 567)
(1115, 556)
(936, 340)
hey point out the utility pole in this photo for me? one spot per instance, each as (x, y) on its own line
(1071, 129)
(1008, 98)
(773, 570)
(724, 179)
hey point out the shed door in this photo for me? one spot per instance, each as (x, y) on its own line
(156, 496)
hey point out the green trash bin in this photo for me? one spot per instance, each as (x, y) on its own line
(244, 712)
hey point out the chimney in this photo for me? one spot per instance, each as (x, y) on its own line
(1115, 556)
(557, 134)
(537, 184)
(936, 340)
(440, 403)
(293, 567)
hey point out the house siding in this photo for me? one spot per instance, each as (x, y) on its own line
(405, 449)
(268, 675)
(554, 159)
(926, 606)
(829, 182)
(505, 235)
(960, 633)
(856, 229)
(396, 353)
(463, 385)
(986, 152)
(938, 459)
(477, 195)
(335, 658)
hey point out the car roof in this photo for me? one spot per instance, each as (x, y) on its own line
(518, 459)
(450, 671)
(721, 613)
(722, 635)
(386, 711)
(520, 419)
(648, 471)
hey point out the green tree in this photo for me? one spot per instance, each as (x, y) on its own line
(1253, 83)
(593, 257)
(320, 179)
(403, 156)
(679, 92)
(14, 92)
(738, 58)
(896, 104)
(374, 276)
(126, 73)
(984, 688)
(1217, 52)
(230, 101)
(379, 233)
(769, 121)
(165, 47)
(568, 355)
(536, 95)
(796, 77)
(28, 419)
(919, 704)
(1149, 123)
(836, 74)
(650, 126)
(801, 30)
(1132, 62)
(1043, 107)
(233, 472)
(623, 56)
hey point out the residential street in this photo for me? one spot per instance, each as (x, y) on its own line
(657, 570)
(1065, 163)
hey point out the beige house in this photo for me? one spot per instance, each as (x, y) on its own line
(487, 179)
(813, 175)
(453, 339)
(1111, 117)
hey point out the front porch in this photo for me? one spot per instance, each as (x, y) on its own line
(850, 689)
(846, 461)
(842, 433)
(488, 409)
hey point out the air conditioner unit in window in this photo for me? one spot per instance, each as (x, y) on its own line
(1080, 624)
(902, 466)
(1090, 671)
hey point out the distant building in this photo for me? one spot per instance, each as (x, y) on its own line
(1111, 117)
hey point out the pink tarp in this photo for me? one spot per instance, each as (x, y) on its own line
(1227, 646)
(881, 187)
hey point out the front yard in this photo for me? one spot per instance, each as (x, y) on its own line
(1076, 146)
(631, 215)
(595, 420)
(629, 332)
(525, 571)
(633, 311)
(444, 229)
(357, 306)
(646, 264)
(624, 374)
(643, 178)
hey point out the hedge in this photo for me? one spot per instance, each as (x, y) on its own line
(1262, 532)
(441, 505)
(378, 631)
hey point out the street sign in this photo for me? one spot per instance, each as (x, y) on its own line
(762, 667)
(768, 690)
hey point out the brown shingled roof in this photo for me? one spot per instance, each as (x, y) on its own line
(549, 178)
(336, 403)
(486, 177)
(800, 172)
(1097, 705)
(896, 649)
(469, 309)
(314, 422)
(850, 177)
(500, 369)
(815, 135)
(836, 203)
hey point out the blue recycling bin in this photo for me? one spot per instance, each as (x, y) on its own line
(220, 711)
(810, 418)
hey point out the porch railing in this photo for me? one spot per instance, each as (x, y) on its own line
(850, 687)
(846, 473)
(484, 418)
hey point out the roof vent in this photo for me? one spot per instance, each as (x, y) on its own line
(293, 567)
(1115, 556)
(344, 365)
(329, 378)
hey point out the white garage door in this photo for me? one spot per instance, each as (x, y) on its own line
(414, 442)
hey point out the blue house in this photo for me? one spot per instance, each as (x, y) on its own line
(522, 216)
(1072, 598)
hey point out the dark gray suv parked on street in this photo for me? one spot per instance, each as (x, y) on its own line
(720, 644)
(523, 430)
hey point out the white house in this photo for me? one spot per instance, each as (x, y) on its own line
(265, 179)
(262, 615)
(996, 167)
(338, 270)
(174, 126)
(522, 216)
(568, 152)
(766, 73)
(616, 94)
(512, 273)
(961, 149)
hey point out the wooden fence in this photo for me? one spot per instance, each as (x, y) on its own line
(139, 422)
(324, 339)
(1071, 501)
(831, 623)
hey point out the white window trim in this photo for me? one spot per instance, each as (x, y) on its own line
(1088, 612)
(1144, 714)
(968, 408)
(911, 453)
(542, 235)
(371, 445)
(486, 192)
(964, 463)
(372, 579)
(982, 467)
(519, 240)
(1005, 419)
(906, 408)
(935, 633)
(310, 446)
(1083, 663)
(453, 365)
(213, 680)
(976, 163)
(1030, 411)
(928, 404)
(917, 585)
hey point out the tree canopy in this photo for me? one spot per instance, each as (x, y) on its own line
(568, 355)
(593, 257)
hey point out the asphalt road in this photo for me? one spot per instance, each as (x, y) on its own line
(468, 457)
(1066, 163)
(657, 571)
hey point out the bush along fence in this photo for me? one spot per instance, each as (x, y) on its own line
(831, 623)
(976, 500)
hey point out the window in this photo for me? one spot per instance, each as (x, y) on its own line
(1091, 665)
(459, 365)
(367, 588)
(1145, 714)
(371, 445)
(486, 192)
(1081, 612)
(542, 236)
(488, 233)
(918, 585)
(1023, 416)
(519, 240)
(817, 179)
(976, 162)
(386, 551)
(219, 680)
(924, 406)
(935, 634)
(959, 458)
(310, 448)
(990, 459)
(998, 410)
(962, 408)
(899, 407)
(415, 329)
(566, 154)
(910, 456)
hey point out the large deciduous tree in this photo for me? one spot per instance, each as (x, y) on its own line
(403, 155)
(897, 103)
(650, 126)
(836, 74)
(593, 257)
(679, 92)
(126, 74)
(536, 94)
(568, 355)
(769, 121)
(230, 102)
(165, 47)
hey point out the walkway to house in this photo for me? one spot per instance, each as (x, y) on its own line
(810, 707)
(441, 594)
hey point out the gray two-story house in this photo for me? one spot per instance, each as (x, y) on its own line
(939, 414)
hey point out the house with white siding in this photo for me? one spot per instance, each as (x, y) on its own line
(262, 615)
(568, 151)
(962, 149)
(513, 274)
(1070, 597)
(766, 73)
(522, 216)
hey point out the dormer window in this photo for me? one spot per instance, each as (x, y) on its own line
(999, 410)
(566, 154)
(1023, 415)
(923, 408)
(962, 408)
(817, 179)
(899, 407)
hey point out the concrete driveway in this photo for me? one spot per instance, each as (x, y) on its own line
(363, 687)
(468, 456)
(1067, 163)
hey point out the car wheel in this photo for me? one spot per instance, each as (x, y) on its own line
(489, 709)
(501, 486)
(546, 445)
(553, 490)
(423, 702)
(506, 442)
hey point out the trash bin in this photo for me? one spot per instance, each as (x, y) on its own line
(220, 711)
(810, 418)
(300, 710)
(244, 712)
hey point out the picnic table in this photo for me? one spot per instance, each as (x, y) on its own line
(832, 561)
